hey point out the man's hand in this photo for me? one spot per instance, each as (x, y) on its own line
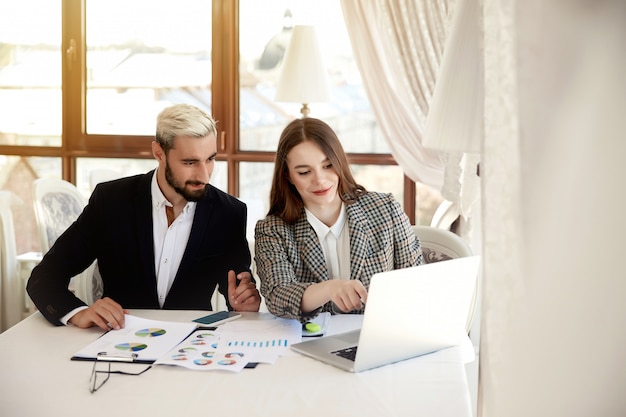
(104, 313)
(245, 296)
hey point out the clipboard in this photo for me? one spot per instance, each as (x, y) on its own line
(114, 357)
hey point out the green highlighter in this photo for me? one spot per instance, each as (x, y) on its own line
(316, 326)
(312, 327)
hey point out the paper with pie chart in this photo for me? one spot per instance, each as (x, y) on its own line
(201, 351)
(146, 340)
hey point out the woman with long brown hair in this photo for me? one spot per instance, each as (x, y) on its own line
(325, 235)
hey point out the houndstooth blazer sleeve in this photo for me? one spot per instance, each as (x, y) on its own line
(289, 258)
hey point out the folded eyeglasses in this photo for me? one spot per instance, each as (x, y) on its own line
(102, 365)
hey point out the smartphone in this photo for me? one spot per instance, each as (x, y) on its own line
(219, 317)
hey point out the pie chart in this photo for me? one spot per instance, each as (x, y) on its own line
(150, 332)
(133, 347)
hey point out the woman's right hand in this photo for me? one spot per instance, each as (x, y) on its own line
(347, 295)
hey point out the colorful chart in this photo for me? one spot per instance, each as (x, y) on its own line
(234, 355)
(187, 349)
(202, 361)
(227, 362)
(152, 332)
(179, 357)
(205, 335)
(208, 354)
(197, 342)
(133, 347)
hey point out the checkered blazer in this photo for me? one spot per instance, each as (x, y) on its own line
(289, 258)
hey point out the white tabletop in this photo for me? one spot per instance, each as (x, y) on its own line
(38, 378)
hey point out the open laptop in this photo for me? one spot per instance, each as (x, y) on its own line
(409, 312)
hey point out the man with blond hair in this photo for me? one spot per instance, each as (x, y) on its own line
(165, 239)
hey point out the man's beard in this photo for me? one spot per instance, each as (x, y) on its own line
(196, 195)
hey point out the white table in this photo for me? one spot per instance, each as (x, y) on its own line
(38, 378)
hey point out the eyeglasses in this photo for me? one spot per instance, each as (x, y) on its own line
(104, 360)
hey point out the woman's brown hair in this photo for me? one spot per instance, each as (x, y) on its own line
(285, 200)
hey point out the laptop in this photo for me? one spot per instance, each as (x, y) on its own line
(409, 312)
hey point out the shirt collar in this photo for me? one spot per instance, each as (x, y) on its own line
(321, 229)
(159, 200)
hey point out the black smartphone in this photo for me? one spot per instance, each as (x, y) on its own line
(219, 317)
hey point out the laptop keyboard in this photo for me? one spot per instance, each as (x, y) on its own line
(347, 353)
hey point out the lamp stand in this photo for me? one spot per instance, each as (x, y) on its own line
(305, 110)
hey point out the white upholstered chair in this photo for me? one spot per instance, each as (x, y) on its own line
(440, 245)
(58, 204)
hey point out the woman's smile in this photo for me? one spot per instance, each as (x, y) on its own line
(322, 192)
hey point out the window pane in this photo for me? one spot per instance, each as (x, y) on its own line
(30, 73)
(381, 178)
(142, 56)
(265, 31)
(427, 201)
(90, 171)
(254, 190)
(17, 174)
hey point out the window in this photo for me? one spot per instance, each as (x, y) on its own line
(142, 56)
(76, 100)
(30, 73)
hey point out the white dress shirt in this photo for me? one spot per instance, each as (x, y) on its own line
(169, 241)
(335, 241)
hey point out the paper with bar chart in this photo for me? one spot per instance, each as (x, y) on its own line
(234, 344)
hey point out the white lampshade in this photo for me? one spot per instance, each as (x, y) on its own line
(303, 78)
(455, 117)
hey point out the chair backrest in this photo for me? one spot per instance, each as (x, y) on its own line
(440, 245)
(445, 215)
(58, 203)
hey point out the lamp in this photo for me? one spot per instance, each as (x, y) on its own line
(303, 78)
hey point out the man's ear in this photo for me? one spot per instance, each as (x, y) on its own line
(157, 151)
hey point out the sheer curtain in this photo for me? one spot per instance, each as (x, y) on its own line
(10, 282)
(398, 46)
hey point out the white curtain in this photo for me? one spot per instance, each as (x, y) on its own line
(10, 291)
(398, 46)
(402, 47)
(553, 315)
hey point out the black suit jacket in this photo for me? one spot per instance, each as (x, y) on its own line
(116, 229)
